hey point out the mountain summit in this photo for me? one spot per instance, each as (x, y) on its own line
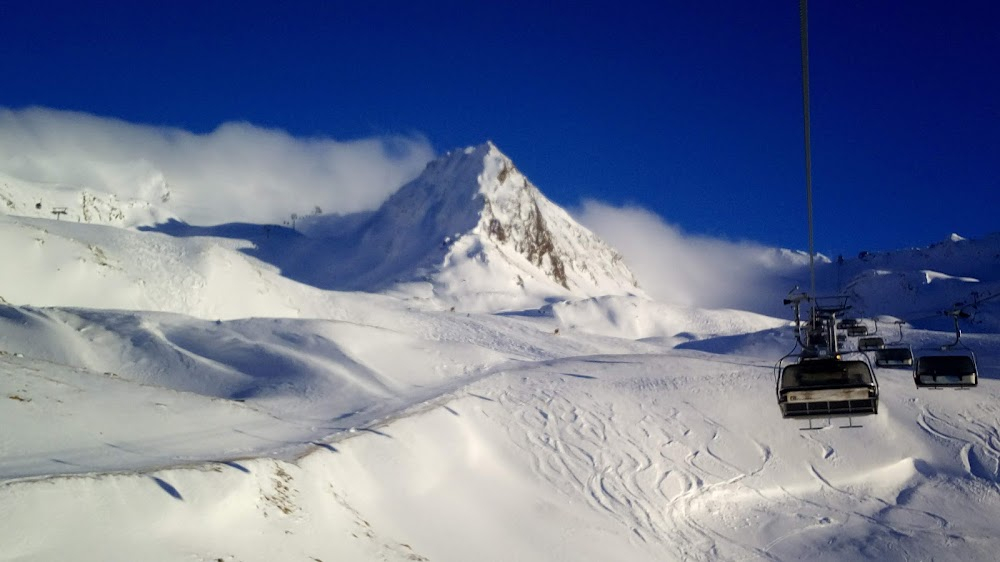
(471, 223)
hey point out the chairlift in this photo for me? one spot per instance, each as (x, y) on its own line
(857, 330)
(847, 323)
(944, 369)
(825, 386)
(871, 343)
(947, 367)
(896, 354)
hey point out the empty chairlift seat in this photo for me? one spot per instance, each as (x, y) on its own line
(857, 330)
(847, 323)
(946, 369)
(894, 357)
(870, 343)
(827, 388)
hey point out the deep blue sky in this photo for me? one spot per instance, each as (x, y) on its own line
(690, 109)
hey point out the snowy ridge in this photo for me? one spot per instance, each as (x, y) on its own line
(62, 263)
(639, 319)
(918, 283)
(84, 204)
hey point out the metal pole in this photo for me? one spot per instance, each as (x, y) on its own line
(804, 30)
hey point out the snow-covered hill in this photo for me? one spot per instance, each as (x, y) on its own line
(178, 392)
(456, 437)
(917, 284)
(85, 204)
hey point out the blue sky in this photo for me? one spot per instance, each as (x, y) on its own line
(691, 110)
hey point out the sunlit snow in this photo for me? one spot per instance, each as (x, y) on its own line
(208, 393)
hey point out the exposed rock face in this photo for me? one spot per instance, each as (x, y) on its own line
(525, 228)
(518, 218)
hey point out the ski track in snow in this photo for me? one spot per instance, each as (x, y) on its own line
(638, 440)
(978, 441)
(643, 449)
(645, 467)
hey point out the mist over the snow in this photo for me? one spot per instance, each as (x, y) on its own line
(680, 268)
(238, 172)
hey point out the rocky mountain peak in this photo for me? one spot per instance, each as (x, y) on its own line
(473, 218)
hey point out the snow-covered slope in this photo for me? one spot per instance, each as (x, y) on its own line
(172, 392)
(62, 263)
(84, 204)
(916, 284)
(639, 318)
(462, 437)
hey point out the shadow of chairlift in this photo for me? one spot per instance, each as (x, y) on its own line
(947, 366)
(822, 385)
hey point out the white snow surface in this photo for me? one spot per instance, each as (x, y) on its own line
(181, 393)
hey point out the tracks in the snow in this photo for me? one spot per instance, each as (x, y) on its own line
(630, 451)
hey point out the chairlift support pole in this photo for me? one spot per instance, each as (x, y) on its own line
(804, 34)
(796, 301)
(831, 335)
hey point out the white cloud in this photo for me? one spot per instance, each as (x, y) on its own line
(678, 268)
(238, 172)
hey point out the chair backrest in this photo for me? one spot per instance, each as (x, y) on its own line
(892, 354)
(826, 373)
(870, 343)
(950, 365)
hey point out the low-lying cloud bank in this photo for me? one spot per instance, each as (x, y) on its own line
(238, 172)
(678, 268)
(243, 173)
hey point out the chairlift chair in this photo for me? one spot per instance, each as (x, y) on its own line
(824, 385)
(946, 368)
(871, 343)
(894, 356)
(847, 323)
(857, 330)
(827, 387)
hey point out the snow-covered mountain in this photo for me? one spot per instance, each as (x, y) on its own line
(472, 226)
(917, 284)
(471, 232)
